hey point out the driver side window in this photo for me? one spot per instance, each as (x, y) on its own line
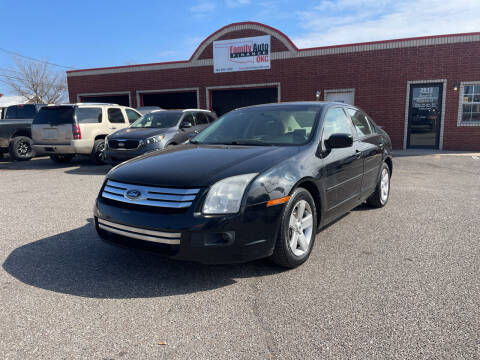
(336, 122)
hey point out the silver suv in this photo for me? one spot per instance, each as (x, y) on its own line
(63, 131)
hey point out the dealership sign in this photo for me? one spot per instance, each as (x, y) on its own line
(251, 53)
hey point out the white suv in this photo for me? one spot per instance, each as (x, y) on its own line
(62, 131)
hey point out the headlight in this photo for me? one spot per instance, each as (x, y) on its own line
(154, 139)
(225, 196)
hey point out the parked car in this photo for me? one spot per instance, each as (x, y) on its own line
(156, 131)
(144, 110)
(67, 130)
(259, 182)
(15, 132)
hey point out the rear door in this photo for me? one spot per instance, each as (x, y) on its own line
(116, 119)
(371, 146)
(53, 125)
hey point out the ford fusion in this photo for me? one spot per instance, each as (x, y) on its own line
(259, 182)
(155, 131)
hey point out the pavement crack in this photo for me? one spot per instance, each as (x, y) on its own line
(270, 342)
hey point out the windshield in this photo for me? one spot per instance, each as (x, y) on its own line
(21, 112)
(261, 126)
(161, 119)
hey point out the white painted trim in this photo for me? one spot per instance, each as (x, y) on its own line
(107, 93)
(461, 91)
(196, 89)
(442, 118)
(244, 86)
(333, 91)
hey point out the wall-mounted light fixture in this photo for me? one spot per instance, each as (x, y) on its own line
(317, 95)
(455, 87)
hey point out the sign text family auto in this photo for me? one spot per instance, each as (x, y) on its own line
(241, 54)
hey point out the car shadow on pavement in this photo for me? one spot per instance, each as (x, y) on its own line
(80, 165)
(78, 263)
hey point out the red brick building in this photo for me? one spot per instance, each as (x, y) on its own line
(424, 91)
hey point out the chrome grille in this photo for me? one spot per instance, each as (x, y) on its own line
(139, 233)
(149, 196)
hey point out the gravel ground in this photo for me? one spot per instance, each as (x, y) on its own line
(399, 282)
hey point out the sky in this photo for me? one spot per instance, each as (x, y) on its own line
(109, 33)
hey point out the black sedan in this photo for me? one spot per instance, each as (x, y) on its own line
(259, 182)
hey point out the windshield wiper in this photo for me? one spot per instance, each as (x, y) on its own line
(249, 142)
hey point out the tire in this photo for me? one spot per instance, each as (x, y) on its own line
(20, 148)
(61, 159)
(98, 153)
(289, 251)
(382, 191)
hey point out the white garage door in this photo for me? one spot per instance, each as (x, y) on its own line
(344, 96)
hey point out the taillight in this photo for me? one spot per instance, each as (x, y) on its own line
(77, 134)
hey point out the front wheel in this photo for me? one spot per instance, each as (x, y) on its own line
(297, 230)
(20, 148)
(382, 192)
(98, 153)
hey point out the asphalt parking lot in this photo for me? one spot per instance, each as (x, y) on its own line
(399, 282)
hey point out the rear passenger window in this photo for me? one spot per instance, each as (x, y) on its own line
(360, 121)
(115, 116)
(132, 115)
(200, 118)
(89, 115)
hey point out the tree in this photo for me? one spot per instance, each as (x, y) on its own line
(36, 81)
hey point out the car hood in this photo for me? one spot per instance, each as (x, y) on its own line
(139, 133)
(199, 166)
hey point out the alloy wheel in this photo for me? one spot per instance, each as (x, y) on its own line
(300, 228)
(384, 186)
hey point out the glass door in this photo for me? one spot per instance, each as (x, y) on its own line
(424, 116)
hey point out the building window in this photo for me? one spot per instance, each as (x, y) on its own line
(469, 109)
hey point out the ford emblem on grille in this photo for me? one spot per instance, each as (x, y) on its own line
(120, 144)
(133, 194)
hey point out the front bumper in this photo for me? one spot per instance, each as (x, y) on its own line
(186, 235)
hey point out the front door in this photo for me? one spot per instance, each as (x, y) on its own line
(424, 116)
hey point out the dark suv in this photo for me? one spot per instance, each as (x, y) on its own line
(155, 131)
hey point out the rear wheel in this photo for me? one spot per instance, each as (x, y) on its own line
(297, 230)
(61, 158)
(98, 153)
(20, 148)
(382, 192)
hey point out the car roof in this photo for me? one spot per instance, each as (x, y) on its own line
(318, 104)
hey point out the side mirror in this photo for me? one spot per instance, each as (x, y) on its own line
(186, 125)
(338, 141)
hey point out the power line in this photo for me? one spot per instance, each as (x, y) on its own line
(22, 80)
(33, 59)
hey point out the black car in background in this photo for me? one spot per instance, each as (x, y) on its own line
(15, 131)
(155, 131)
(259, 182)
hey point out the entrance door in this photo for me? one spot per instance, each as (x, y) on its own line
(424, 116)
(346, 97)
